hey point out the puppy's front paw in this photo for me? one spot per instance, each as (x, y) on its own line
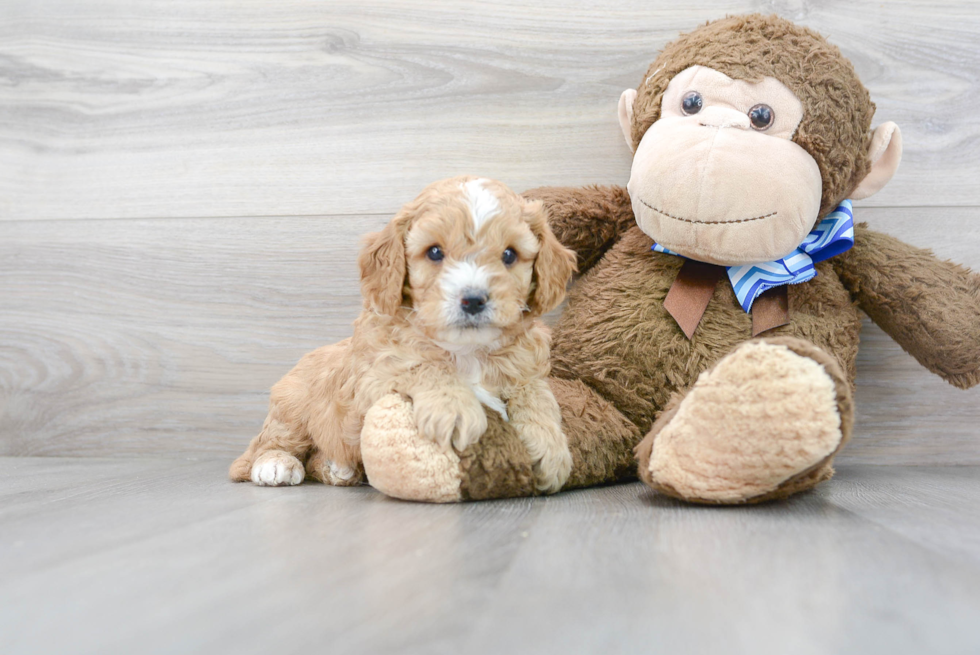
(435, 421)
(446, 420)
(471, 423)
(552, 470)
(276, 468)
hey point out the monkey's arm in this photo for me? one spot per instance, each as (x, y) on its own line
(931, 307)
(587, 220)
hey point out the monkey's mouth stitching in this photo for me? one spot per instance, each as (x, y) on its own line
(687, 220)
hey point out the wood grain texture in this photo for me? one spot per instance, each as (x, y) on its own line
(935, 508)
(137, 109)
(129, 337)
(165, 556)
(132, 336)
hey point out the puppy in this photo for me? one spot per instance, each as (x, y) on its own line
(452, 287)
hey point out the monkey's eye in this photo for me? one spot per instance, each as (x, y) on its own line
(691, 104)
(510, 256)
(435, 254)
(761, 116)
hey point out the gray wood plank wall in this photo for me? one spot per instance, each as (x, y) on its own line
(183, 185)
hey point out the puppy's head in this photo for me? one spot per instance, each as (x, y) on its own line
(471, 259)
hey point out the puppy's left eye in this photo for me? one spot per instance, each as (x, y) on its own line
(510, 256)
(435, 254)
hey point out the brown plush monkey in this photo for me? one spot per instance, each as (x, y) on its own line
(716, 323)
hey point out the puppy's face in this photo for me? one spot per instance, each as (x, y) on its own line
(478, 258)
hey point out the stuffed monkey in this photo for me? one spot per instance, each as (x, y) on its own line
(709, 346)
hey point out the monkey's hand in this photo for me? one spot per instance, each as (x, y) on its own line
(931, 307)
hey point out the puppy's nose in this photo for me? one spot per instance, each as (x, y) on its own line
(473, 304)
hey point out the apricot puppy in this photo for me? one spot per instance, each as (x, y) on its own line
(452, 287)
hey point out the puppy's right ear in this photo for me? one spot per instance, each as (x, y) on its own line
(383, 268)
(553, 266)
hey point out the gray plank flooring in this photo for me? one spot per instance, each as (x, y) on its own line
(165, 556)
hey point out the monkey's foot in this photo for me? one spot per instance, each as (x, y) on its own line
(402, 463)
(764, 423)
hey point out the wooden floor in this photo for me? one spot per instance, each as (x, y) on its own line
(164, 556)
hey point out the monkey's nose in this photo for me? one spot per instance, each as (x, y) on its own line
(473, 304)
(723, 117)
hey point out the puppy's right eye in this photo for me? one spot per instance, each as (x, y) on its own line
(435, 254)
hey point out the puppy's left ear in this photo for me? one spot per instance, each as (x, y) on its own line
(383, 266)
(554, 265)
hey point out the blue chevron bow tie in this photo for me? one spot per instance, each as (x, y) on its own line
(834, 235)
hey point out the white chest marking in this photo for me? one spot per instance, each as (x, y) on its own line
(470, 369)
(483, 204)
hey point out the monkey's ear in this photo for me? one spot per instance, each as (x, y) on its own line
(626, 116)
(885, 154)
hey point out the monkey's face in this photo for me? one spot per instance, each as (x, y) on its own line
(718, 178)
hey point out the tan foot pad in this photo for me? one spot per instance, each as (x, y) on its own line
(760, 417)
(399, 462)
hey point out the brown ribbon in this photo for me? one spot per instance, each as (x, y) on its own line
(770, 310)
(691, 292)
(689, 295)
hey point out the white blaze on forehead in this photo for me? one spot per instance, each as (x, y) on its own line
(483, 204)
(463, 275)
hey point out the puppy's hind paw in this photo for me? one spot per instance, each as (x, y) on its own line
(276, 468)
(334, 473)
